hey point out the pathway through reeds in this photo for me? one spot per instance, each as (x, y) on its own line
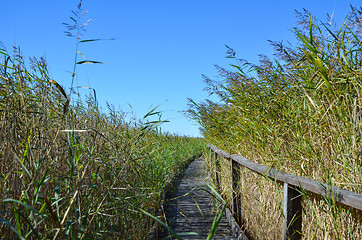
(191, 207)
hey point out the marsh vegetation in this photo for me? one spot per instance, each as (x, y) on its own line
(70, 170)
(298, 112)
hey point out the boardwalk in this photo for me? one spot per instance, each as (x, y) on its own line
(184, 215)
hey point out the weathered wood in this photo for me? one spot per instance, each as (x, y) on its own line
(217, 169)
(191, 207)
(219, 151)
(346, 197)
(235, 227)
(236, 197)
(261, 169)
(292, 211)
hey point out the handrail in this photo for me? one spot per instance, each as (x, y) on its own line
(293, 186)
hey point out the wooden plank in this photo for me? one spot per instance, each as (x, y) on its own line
(219, 151)
(190, 208)
(261, 169)
(292, 211)
(346, 197)
(235, 228)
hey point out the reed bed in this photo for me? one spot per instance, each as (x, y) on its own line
(300, 113)
(70, 171)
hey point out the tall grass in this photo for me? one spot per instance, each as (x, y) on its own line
(70, 171)
(300, 113)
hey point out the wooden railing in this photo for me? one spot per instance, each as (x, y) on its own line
(293, 188)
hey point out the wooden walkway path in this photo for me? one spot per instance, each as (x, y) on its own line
(184, 215)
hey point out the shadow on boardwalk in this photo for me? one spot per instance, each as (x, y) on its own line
(190, 208)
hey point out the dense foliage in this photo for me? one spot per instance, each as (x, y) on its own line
(299, 112)
(70, 171)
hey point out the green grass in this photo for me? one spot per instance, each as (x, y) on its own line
(300, 113)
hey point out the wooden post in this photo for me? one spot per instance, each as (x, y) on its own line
(217, 168)
(236, 199)
(292, 211)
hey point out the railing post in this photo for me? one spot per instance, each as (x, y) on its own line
(236, 197)
(292, 211)
(217, 168)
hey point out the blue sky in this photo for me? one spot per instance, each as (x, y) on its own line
(162, 47)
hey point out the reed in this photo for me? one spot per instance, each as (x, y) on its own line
(69, 170)
(299, 112)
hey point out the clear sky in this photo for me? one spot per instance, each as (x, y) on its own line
(162, 46)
